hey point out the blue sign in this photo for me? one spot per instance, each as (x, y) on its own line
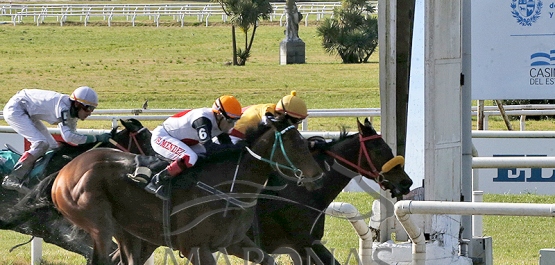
(536, 174)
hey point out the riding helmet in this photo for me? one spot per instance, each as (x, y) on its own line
(85, 95)
(292, 106)
(228, 106)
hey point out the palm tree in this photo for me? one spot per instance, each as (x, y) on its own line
(352, 32)
(245, 14)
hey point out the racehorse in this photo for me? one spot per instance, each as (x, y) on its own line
(93, 192)
(294, 217)
(40, 220)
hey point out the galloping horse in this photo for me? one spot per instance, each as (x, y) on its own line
(293, 217)
(32, 217)
(92, 191)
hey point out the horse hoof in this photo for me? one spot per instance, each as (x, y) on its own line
(13, 184)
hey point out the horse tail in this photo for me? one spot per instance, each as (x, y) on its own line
(37, 200)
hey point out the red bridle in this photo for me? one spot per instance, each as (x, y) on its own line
(363, 152)
(132, 139)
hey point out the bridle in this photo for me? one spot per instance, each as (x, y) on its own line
(363, 153)
(278, 142)
(132, 139)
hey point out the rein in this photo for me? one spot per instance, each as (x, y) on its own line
(279, 140)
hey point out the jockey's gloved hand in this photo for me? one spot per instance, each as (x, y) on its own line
(104, 138)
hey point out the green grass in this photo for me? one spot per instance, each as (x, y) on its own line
(178, 68)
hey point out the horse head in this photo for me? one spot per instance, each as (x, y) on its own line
(287, 155)
(134, 138)
(370, 156)
(379, 157)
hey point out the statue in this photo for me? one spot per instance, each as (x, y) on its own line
(292, 48)
(293, 19)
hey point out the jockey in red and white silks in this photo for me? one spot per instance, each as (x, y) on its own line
(181, 137)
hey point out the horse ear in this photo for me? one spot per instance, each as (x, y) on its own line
(132, 125)
(367, 122)
(123, 122)
(367, 128)
(135, 122)
(359, 125)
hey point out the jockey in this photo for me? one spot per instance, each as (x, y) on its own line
(289, 107)
(25, 112)
(181, 137)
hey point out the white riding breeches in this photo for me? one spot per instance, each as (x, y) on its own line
(172, 148)
(33, 130)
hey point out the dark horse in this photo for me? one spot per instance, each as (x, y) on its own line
(45, 221)
(93, 192)
(294, 217)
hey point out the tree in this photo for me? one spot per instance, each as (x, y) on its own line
(352, 31)
(245, 14)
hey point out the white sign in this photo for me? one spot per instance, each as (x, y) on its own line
(516, 180)
(513, 49)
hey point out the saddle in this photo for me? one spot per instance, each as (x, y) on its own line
(9, 157)
(146, 167)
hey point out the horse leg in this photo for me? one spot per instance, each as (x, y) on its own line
(133, 250)
(97, 222)
(245, 250)
(199, 255)
(101, 249)
(321, 255)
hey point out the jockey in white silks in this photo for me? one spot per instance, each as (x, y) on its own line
(26, 111)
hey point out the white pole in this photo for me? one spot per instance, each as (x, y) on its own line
(347, 210)
(36, 250)
(511, 162)
(477, 224)
(403, 210)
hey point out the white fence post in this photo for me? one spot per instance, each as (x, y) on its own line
(36, 251)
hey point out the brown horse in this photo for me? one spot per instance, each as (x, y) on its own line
(92, 192)
(36, 216)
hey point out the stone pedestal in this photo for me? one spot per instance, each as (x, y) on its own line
(291, 52)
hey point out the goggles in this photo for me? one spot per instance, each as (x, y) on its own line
(293, 120)
(230, 120)
(88, 108)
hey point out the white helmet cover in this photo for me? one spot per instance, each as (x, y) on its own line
(85, 95)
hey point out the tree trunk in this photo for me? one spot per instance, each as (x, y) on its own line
(234, 43)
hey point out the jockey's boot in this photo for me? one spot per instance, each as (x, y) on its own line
(15, 180)
(156, 185)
